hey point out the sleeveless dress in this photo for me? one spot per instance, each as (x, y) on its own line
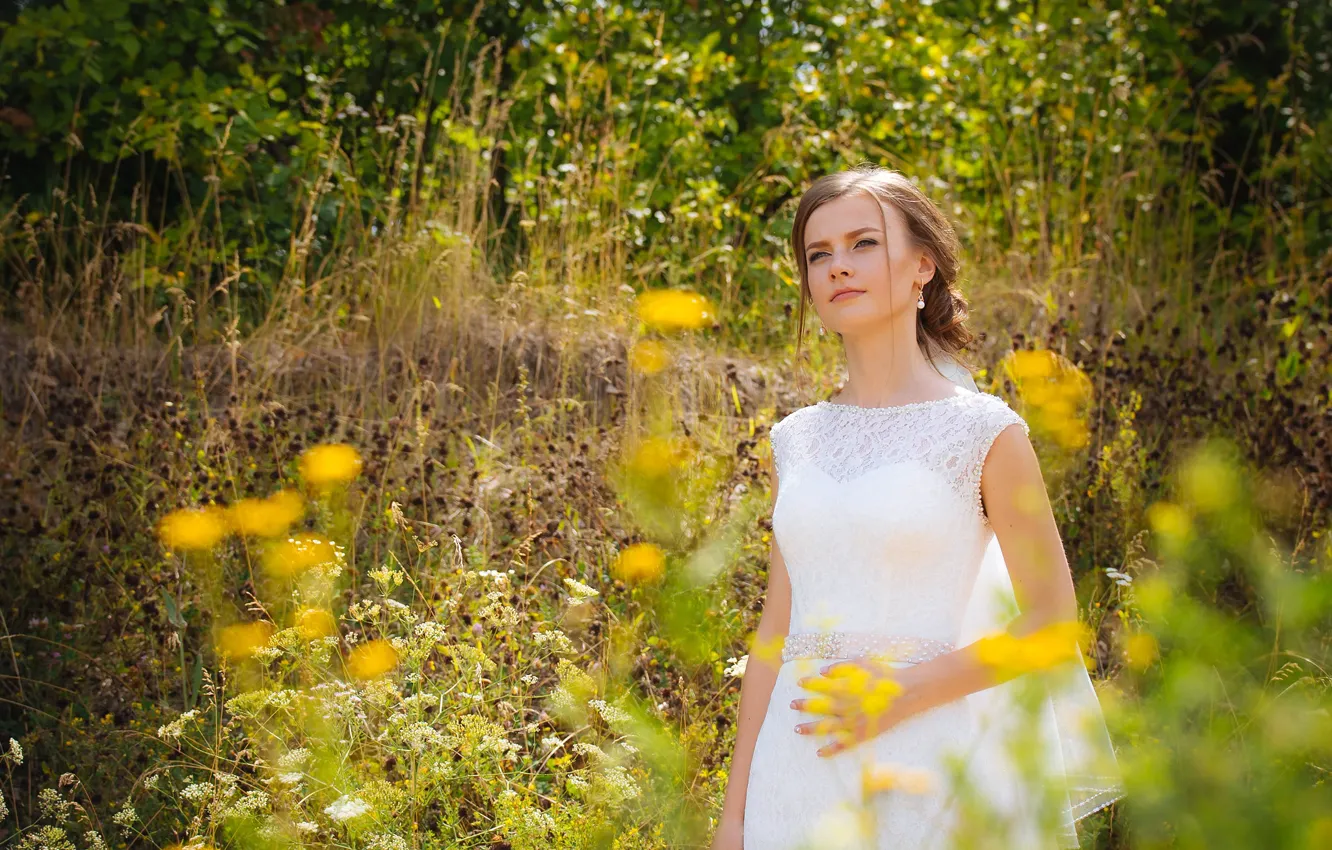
(881, 527)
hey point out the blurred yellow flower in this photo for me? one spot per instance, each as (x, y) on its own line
(1140, 650)
(674, 309)
(641, 562)
(372, 659)
(267, 517)
(314, 623)
(242, 639)
(1055, 393)
(1040, 650)
(1209, 481)
(767, 650)
(193, 529)
(649, 356)
(1169, 520)
(1032, 364)
(295, 555)
(885, 777)
(330, 463)
(657, 456)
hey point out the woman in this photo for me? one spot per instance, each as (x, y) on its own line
(895, 505)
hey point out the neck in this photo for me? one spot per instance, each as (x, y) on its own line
(888, 367)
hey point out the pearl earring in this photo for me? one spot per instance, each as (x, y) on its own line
(920, 305)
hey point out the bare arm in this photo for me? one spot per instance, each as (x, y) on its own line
(1016, 502)
(760, 676)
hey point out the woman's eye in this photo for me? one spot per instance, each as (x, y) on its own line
(817, 254)
(871, 241)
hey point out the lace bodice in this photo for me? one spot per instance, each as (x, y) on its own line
(879, 516)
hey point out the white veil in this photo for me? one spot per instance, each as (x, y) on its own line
(1075, 745)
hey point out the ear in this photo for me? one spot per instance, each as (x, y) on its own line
(926, 268)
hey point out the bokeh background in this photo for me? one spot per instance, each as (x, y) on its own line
(386, 389)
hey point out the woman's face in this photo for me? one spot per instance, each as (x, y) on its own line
(845, 250)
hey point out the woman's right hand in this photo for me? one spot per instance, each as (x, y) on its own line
(730, 835)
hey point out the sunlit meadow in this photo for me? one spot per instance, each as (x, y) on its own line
(383, 520)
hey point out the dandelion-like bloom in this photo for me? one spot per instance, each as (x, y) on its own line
(1040, 650)
(641, 562)
(267, 517)
(674, 309)
(243, 639)
(886, 777)
(193, 529)
(649, 356)
(330, 463)
(314, 623)
(372, 659)
(295, 555)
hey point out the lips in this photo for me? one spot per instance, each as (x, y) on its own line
(846, 294)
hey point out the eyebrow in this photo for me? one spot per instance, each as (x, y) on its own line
(824, 242)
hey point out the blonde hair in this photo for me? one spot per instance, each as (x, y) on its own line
(940, 325)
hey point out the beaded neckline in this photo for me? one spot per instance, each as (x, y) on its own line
(835, 405)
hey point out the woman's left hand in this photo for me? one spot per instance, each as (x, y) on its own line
(862, 698)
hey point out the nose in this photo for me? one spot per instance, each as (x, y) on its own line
(839, 267)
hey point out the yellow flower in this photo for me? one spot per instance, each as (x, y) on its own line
(295, 555)
(193, 528)
(314, 623)
(674, 309)
(1170, 520)
(242, 639)
(639, 563)
(885, 777)
(1140, 650)
(372, 659)
(330, 463)
(267, 517)
(649, 356)
(1040, 650)
(657, 456)
(1032, 364)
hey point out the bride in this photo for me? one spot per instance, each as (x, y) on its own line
(912, 537)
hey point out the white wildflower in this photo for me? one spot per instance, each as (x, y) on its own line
(197, 791)
(614, 715)
(307, 826)
(528, 679)
(421, 736)
(126, 817)
(292, 778)
(559, 641)
(267, 654)
(347, 807)
(15, 753)
(293, 759)
(501, 579)
(596, 754)
(579, 592)
(551, 742)
(737, 667)
(176, 728)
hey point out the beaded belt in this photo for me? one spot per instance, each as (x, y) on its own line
(852, 644)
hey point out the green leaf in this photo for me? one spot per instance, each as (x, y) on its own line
(172, 609)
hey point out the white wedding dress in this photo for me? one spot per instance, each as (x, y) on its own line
(881, 526)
